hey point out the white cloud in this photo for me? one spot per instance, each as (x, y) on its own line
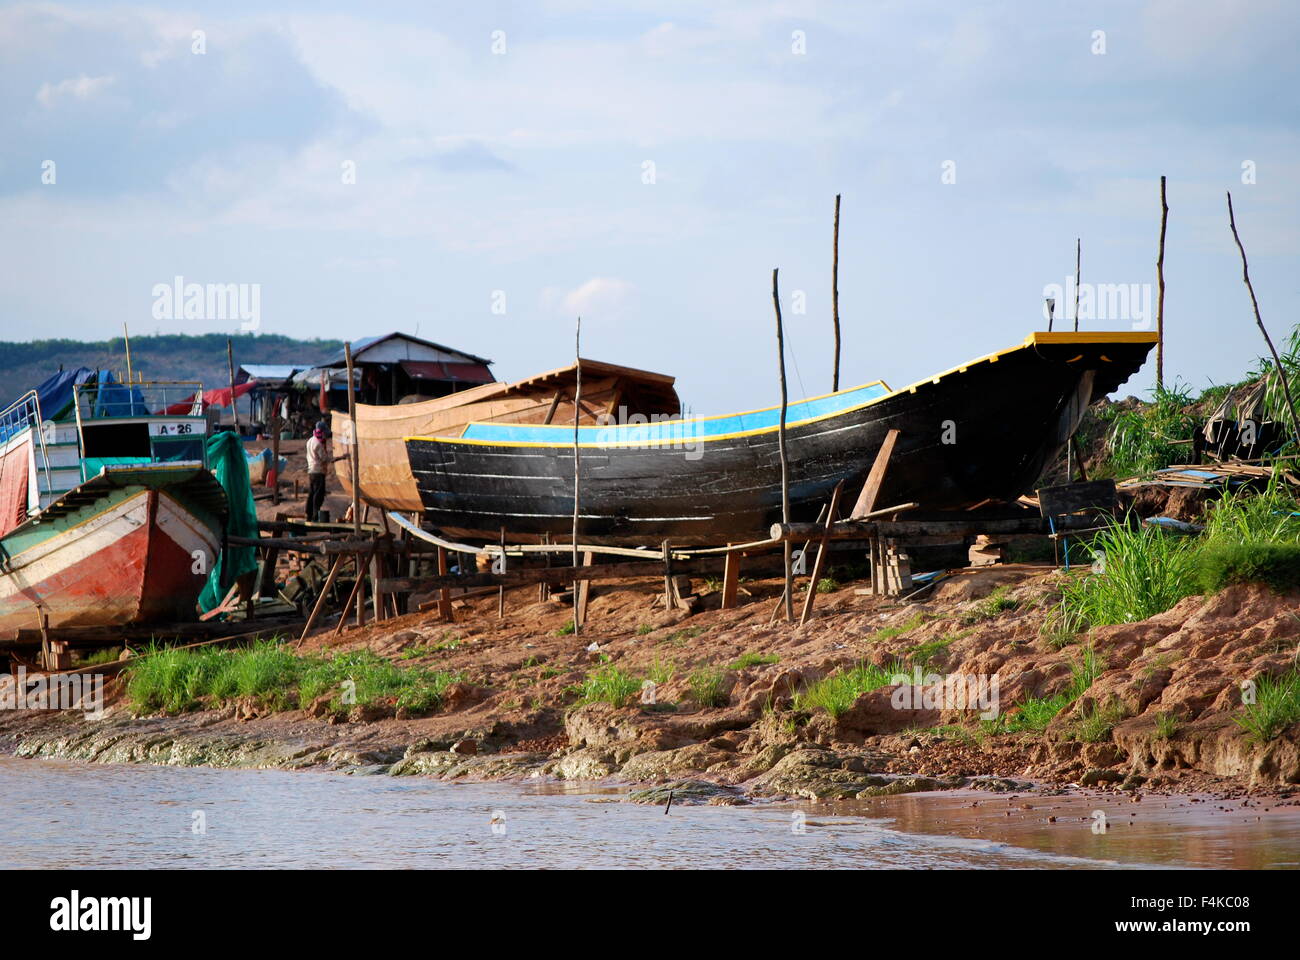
(74, 88)
(597, 299)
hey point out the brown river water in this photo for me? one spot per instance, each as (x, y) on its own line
(68, 815)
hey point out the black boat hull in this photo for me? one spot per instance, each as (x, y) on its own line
(981, 432)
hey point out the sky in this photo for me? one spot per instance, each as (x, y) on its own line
(482, 174)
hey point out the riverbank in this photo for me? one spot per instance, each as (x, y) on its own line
(744, 709)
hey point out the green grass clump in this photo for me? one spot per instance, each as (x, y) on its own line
(752, 659)
(890, 633)
(565, 630)
(1032, 715)
(836, 693)
(609, 684)
(105, 655)
(706, 685)
(661, 671)
(1277, 565)
(995, 603)
(827, 585)
(173, 680)
(1147, 572)
(1166, 725)
(1276, 707)
(1145, 439)
(643, 629)
(1095, 725)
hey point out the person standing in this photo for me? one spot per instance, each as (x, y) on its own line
(317, 463)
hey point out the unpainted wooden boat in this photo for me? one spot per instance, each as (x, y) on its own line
(979, 432)
(386, 479)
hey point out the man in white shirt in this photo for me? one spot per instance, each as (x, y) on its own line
(317, 463)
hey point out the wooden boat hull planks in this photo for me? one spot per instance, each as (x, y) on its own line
(115, 551)
(983, 431)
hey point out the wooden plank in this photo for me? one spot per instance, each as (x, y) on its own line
(730, 580)
(562, 575)
(820, 563)
(584, 592)
(320, 600)
(1068, 498)
(444, 593)
(876, 478)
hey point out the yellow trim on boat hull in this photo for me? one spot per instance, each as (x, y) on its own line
(1045, 338)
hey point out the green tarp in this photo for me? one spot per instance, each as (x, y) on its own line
(227, 460)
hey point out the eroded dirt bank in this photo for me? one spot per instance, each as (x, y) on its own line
(1157, 715)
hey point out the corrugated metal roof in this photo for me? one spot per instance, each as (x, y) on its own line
(365, 343)
(272, 371)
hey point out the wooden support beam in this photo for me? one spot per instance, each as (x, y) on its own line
(320, 600)
(820, 562)
(561, 575)
(582, 593)
(444, 593)
(730, 580)
(866, 502)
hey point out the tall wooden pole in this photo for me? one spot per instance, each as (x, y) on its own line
(1277, 361)
(230, 366)
(835, 296)
(577, 464)
(1078, 259)
(354, 454)
(126, 338)
(1160, 287)
(785, 467)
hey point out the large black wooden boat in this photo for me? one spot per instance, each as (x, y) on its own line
(982, 431)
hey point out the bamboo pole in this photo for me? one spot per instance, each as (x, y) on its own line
(354, 458)
(1277, 361)
(1078, 259)
(126, 338)
(230, 367)
(785, 466)
(577, 462)
(835, 296)
(1160, 286)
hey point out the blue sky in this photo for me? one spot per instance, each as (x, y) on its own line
(523, 170)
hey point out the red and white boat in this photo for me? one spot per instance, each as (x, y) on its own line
(134, 540)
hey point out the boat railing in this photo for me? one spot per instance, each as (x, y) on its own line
(23, 414)
(139, 398)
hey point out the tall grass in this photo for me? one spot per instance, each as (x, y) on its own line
(1147, 571)
(1276, 707)
(1142, 440)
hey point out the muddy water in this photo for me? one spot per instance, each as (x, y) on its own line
(64, 815)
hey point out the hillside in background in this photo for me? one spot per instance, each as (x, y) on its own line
(161, 357)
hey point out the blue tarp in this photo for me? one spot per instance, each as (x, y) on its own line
(118, 400)
(55, 391)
